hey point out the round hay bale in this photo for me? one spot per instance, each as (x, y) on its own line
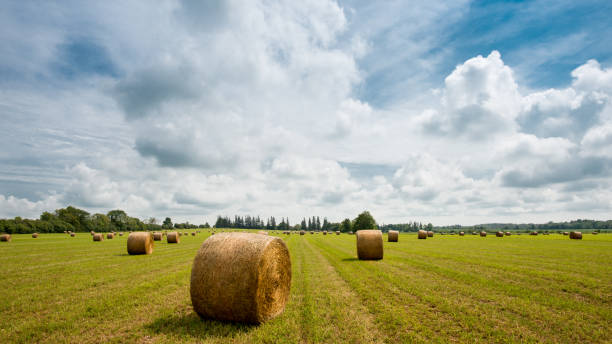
(337, 232)
(324, 232)
(508, 234)
(499, 234)
(34, 235)
(311, 232)
(461, 233)
(422, 234)
(72, 234)
(565, 233)
(430, 234)
(110, 236)
(120, 233)
(157, 236)
(173, 238)
(474, 233)
(393, 236)
(193, 234)
(595, 233)
(262, 232)
(483, 234)
(369, 244)
(65, 232)
(140, 243)
(302, 232)
(575, 235)
(98, 237)
(242, 277)
(533, 233)
(5, 237)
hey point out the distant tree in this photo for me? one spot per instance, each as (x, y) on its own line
(364, 221)
(346, 226)
(167, 224)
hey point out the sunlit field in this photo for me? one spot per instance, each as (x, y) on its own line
(444, 289)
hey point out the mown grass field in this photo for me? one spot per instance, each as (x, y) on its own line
(444, 289)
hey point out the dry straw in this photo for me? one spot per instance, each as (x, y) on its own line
(173, 238)
(110, 236)
(72, 234)
(242, 277)
(120, 233)
(157, 236)
(92, 233)
(575, 235)
(461, 233)
(422, 234)
(430, 234)
(393, 236)
(193, 234)
(483, 234)
(302, 232)
(337, 232)
(324, 232)
(499, 234)
(533, 233)
(508, 234)
(140, 243)
(369, 244)
(98, 237)
(34, 235)
(5, 237)
(262, 232)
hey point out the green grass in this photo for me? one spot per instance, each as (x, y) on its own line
(444, 289)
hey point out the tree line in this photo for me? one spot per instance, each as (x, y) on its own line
(565, 225)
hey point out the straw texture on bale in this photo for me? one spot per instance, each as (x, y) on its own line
(369, 244)
(422, 234)
(241, 277)
(110, 236)
(5, 237)
(393, 236)
(262, 232)
(173, 238)
(98, 237)
(72, 234)
(35, 235)
(483, 234)
(157, 236)
(575, 235)
(140, 243)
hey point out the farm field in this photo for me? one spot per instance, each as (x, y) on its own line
(444, 289)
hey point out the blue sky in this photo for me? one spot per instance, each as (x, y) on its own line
(449, 112)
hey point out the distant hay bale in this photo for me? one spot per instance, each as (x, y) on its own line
(508, 233)
(120, 233)
(92, 233)
(351, 232)
(193, 234)
(337, 232)
(422, 234)
(72, 234)
(110, 236)
(499, 234)
(262, 232)
(595, 233)
(393, 236)
(474, 233)
(369, 244)
(483, 234)
(173, 238)
(157, 236)
(241, 277)
(34, 235)
(302, 232)
(140, 243)
(98, 237)
(311, 232)
(324, 232)
(533, 233)
(5, 237)
(575, 235)
(65, 232)
(461, 233)
(430, 234)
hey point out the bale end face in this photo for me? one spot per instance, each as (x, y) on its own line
(430, 234)
(575, 235)
(34, 235)
(140, 243)
(302, 232)
(5, 237)
(393, 236)
(499, 234)
(98, 237)
(242, 277)
(72, 234)
(483, 234)
(422, 234)
(157, 236)
(110, 236)
(461, 233)
(369, 244)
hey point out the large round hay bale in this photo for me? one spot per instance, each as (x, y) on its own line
(393, 236)
(262, 232)
(5, 237)
(369, 244)
(422, 234)
(242, 277)
(499, 234)
(302, 232)
(173, 238)
(324, 232)
(140, 243)
(34, 235)
(72, 234)
(483, 234)
(157, 236)
(430, 234)
(98, 237)
(508, 233)
(575, 235)
(193, 233)
(110, 236)
(461, 233)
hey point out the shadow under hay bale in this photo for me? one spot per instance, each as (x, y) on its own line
(140, 243)
(369, 244)
(393, 236)
(242, 277)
